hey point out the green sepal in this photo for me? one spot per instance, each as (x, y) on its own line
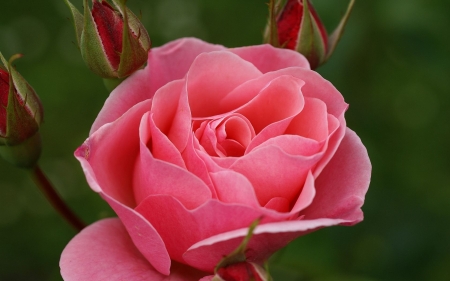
(238, 255)
(336, 35)
(134, 23)
(134, 53)
(271, 34)
(310, 42)
(22, 120)
(78, 20)
(92, 48)
(25, 154)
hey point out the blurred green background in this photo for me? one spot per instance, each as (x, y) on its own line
(392, 66)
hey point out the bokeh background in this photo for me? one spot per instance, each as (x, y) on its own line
(392, 66)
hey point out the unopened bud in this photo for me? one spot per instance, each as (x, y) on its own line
(242, 271)
(112, 40)
(21, 114)
(297, 26)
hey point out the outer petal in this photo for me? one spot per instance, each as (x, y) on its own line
(108, 160)
(166, 63)
(143, 234)
(104, 251)
(342, 185)
(173, 60)
(266, 239)
(180, 228)
(131, 91)
(108, 157)
(268, 58)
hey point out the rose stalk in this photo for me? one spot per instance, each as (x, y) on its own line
(21, 114)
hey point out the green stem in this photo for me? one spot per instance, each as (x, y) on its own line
(55, 200)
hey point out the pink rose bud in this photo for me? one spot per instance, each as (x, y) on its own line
(113, 41)
(20, 117)
(297, 26)
(242, 271)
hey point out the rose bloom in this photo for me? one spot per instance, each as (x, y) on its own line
(202, 142)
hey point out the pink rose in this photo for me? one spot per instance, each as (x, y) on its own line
(202, 142)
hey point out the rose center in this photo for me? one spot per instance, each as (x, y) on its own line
(227, 136)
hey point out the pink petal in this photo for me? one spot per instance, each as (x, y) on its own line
(306, 196)
(294, 145)
(158, 143)
(237, 127)
(332, 143)
(342, 185)
(232, 187)
(266, 239)
(180, 228)
(278, 204)
(312, 122)
(165, 64)
(207, 138)
(225, 136)
(108, 158)
(173, 60)
(315, 87)
(155, 177)
(212, 76)
(172, 114)
(280, 99)
(196, 165)
(143, 234)
(104, 251)
(274, 173)
(130, 92)
(267, 58)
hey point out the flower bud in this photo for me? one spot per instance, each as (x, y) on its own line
(112, 40)
(21, 114)
(242, 271)
(297, 26)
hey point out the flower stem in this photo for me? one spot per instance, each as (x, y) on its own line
(55, 200)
